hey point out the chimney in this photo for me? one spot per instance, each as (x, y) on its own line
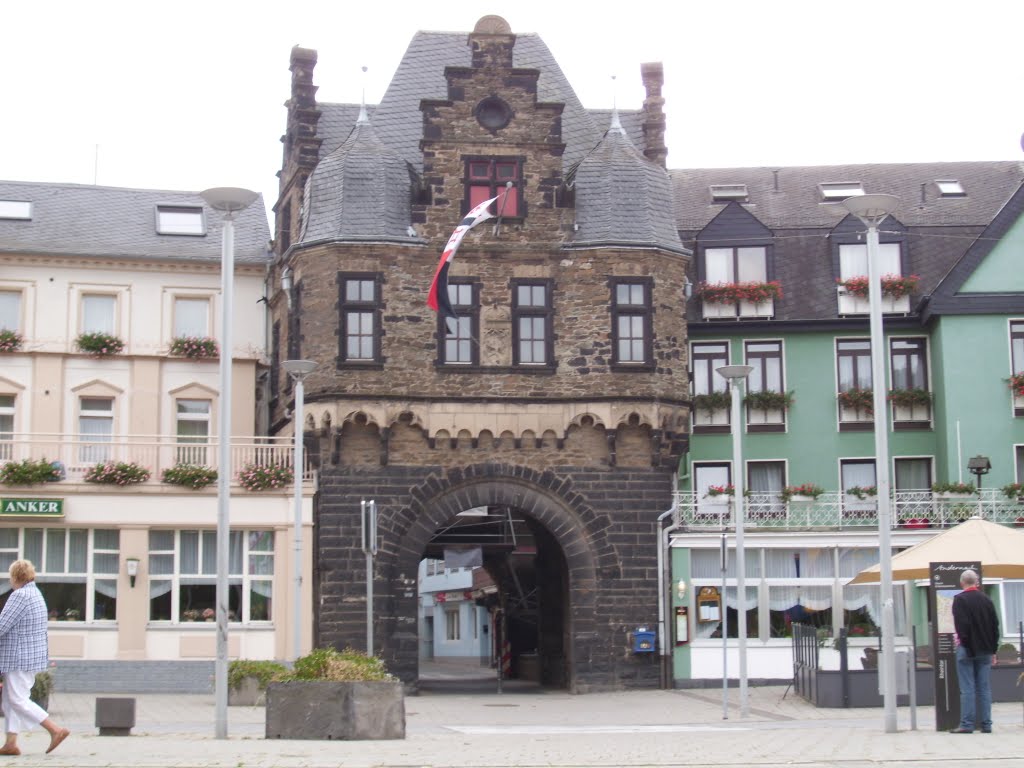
(491, 43)
(302, 147)
(653, 74)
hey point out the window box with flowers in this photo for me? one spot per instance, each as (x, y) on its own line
(896, 290)
(193, 347)
(1017, 388)
(856, 404)
(713, 401)
(10, 341)
(805, 492)
(910, 404)
(31, 472)
(749, 299)
(116, 473)
(262, 477)
(99, 344)
(720, 490)
(189, 475)
(1014, 491)
(953, 490)
(863, 493)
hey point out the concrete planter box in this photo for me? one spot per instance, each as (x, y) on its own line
(316, 709)
(247, 694)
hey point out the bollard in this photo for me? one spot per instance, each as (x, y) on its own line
(115, 716)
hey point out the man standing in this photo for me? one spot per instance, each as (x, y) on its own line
(977, 631)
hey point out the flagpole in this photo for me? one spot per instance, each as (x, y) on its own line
(501, 211)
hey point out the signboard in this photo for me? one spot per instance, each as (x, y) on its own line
(945, 585)
(31, 507)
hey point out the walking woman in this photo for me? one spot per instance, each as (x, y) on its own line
(24, 650)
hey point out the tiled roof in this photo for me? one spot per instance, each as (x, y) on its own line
(790, 197)
(82, 220)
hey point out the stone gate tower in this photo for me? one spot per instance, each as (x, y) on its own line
(556, 397)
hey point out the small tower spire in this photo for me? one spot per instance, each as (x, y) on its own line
(363, 117)
(616, 125)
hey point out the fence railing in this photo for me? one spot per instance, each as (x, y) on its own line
(77, 453)
(910, 509)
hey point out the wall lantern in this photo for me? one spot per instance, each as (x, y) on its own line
(132, 566)
(681, 589)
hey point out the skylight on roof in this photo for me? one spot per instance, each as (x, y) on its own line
(180, 220)
(723, 193)
(837, 191)
(950, 188)
(16, 209)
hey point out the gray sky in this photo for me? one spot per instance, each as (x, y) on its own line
(188, 95)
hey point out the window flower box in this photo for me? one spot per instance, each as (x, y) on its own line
(194, 347)
(754, 298)
(805, 492)
(1014, 491)
(859, 400)
(893, 286)
(116, 473)
(10, 341)
(31, 472)
(862, 493)
(99, 344)
(953, 490)
(189, 475)
(262, 477)
(720, 490)
(767, 400)
(713, 401)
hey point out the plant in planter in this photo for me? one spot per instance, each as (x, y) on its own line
(857, 399)
(10, 341)
(31, 472)
(908, 398)
(1013, 490)
(729, 293)
(893, 286)
(712, 401)
(720, 490)
(953, 489)
(190, 614)
(331, 694)
(1017, 384)
(116, 473)
(863, 493)
(260, 477)
(767, 400)
(194, 347)
(805, 491)
(99, 344)
(248, 680)
(189, 475)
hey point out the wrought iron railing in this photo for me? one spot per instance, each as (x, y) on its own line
(77, 453)
(910, 509)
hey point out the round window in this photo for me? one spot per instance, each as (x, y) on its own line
(493, 113)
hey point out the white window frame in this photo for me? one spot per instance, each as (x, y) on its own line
(177, 316)
(180, 220)
(7, 435)
(837, 191)
(17, 210)
(16, 321)
(453, 624)
(192, 449)
(95, 447)
(84, 323)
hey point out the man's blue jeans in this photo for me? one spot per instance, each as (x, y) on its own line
(974, 673)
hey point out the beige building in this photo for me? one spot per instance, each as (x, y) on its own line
(137, 273)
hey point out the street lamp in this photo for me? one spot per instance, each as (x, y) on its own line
(737, 375)
(872, 210)
(978, 466)
(298, 370)
(229, 201)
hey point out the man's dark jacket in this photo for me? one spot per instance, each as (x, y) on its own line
(977, 625)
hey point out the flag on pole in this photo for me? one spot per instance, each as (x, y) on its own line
(437, 299)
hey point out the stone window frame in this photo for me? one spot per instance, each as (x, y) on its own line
(546, 312)
(472, 311)
(644, 310)
(494, 184)
(375, 307)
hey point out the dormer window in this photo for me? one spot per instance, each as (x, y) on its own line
(180, 220)
(500, 177)
(16, 209)
(950, 188)
(837, 191)
(724, 193)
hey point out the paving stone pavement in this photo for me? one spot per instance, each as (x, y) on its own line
(525, 727)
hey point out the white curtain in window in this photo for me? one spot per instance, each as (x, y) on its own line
(191, 317)
(868, 597)
(10, 310)
(913, 474)
(158, 588)
(799, 563)
(753, 266)
(98, 314)
(106, 587)
(853, 561)
(1013, 604)
(263, 588)
(853, 260)
(732, 595)
(817, 598)
(718, 265)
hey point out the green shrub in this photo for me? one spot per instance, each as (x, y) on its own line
(10, 341)
(42, 687)
(189, 475)
(910, 397)
(260, 477)
(338, 666)
(195, 347)
(766, 400)
(953, 488)
(116, 473)
(712, 401)
(262, 671)
(31, 471)
(99, 344)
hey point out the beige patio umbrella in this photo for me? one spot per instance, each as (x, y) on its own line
(999, 549)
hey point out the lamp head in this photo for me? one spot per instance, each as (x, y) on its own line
(979, 465)
(229, 199)
(298, 369)
(734, 372)
(871, 209)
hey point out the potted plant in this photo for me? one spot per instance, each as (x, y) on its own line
(209, 614)
(767, 400)
(755, 292)
(189, 475)
(858, 400)
(99, 344)
(10, 341)
(1017, 384)
(953, 490)
(805, 492)
(866, 492)
(248, 681)
(893, 286)
(260, 477)
(193, 347)
(116, 473)
(720, 490)
(31, 472)
(1014, 491)
(190, 614)
(712, 401)
(908, 398)
(331, 694)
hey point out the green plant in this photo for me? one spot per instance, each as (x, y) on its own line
(31, 472)
(858, 399)
(195, 347)
(10, 341)
(712, 401)
(263, 672)
(894, 286)
(260, 477)
(42, 687)
(1017, 384)
(721, 490)
(807, 489)
(116, 473)
(953, 488)
(910, 397)
(1013, 490)
(862, 493)
(189, 475)
(99, 344)
(337, 666)
(727, 293)
(767, 400)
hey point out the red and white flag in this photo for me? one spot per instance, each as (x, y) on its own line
(437, 299)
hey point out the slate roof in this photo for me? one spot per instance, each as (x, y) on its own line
(115, 222)
(622, 198)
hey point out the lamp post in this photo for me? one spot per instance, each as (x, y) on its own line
(872, 210)
(737, 375)
(298, 370)
(229, 201)
(978, 466)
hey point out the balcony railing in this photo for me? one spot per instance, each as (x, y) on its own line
(154, 452)
(836, 510)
